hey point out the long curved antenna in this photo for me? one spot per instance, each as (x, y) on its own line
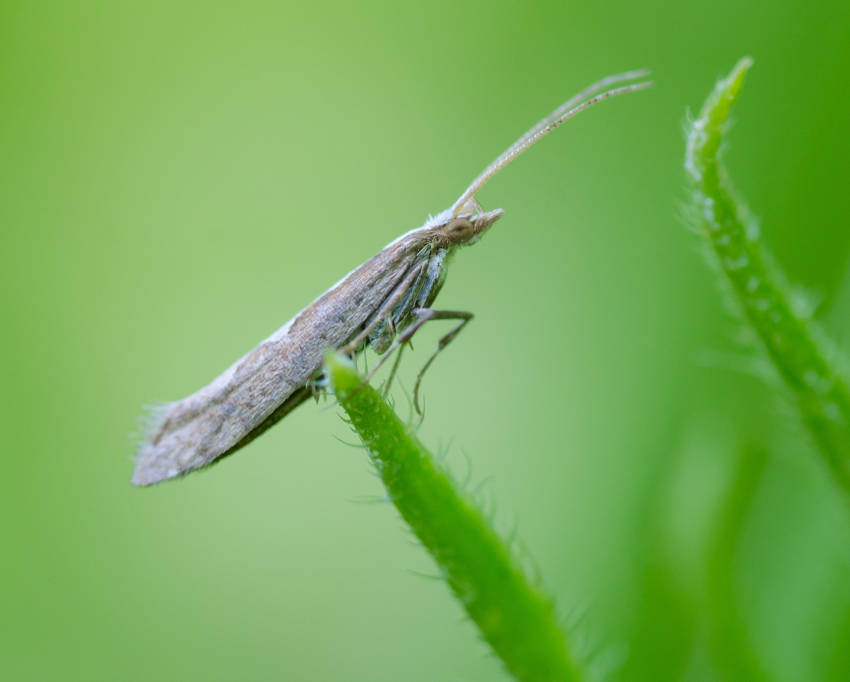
(584, 94)
(572, 107)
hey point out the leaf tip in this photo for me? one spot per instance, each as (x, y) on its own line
(735, 81)
(706, 132)
(341, 373)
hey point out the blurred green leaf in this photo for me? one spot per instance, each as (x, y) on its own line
(758, 286)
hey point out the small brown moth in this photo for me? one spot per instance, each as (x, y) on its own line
(386, 299)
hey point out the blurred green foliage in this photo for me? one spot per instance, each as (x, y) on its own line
(178, 179)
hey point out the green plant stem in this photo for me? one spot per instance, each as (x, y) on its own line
(758, 286)
(515, 618)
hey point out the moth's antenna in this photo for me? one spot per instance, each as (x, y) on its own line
(573, 106)
(584, 94)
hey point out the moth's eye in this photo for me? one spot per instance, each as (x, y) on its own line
(459, 230)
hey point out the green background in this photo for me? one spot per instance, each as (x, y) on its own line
(177, 180)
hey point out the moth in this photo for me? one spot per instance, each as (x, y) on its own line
(380, 304)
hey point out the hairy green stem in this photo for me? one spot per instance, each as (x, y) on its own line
(758, 287)
(513, 615)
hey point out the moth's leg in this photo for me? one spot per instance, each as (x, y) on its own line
(384, 311)
(404, 336)
(383, 336)
(425, 314)
(393, 371)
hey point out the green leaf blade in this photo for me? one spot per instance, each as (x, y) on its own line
(514, 616)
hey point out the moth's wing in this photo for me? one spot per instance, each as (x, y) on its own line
(270, 381)
(294, 400)
(218, 419)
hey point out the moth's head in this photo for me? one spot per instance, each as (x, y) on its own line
(463, 226)
(465, 221)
